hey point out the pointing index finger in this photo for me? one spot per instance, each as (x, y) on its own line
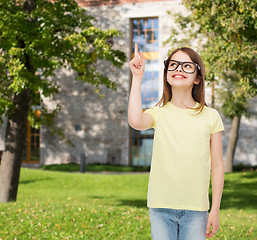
(136, 50)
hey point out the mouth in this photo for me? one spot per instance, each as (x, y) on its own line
(178, 76)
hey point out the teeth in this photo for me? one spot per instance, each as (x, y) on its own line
(177, 76)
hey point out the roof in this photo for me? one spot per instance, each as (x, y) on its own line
(95, 3)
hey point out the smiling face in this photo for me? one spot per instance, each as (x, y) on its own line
(178, 78)
(196, 81)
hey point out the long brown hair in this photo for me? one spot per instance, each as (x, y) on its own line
(198, 91)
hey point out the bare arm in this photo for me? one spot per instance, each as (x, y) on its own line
(136, 118)
(217, 174)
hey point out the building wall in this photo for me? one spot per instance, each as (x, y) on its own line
(98, 126)
(104, 134)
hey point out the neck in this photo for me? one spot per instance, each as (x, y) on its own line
(182, 99)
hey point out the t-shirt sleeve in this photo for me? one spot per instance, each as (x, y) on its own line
(217, 123)
(153, 112)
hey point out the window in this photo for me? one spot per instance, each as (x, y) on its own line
(145, 32)
(31, 151)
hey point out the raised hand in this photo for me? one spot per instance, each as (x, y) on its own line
(136, 118)
(137, 64)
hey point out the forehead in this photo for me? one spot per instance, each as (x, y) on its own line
(181, 57)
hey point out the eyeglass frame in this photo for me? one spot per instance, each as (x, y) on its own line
(181, 63)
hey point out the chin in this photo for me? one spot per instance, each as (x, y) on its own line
(180, 85)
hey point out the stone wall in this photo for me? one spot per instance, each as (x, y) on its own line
(97, 127)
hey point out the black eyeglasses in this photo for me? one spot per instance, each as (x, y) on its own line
(187, 67)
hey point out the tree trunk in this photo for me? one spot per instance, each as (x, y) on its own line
(14, 144)
(16, 131)
(232, 144)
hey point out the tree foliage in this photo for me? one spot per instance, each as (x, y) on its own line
(39, 36)
(225, 32)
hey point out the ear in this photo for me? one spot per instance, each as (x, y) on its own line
(197, 80)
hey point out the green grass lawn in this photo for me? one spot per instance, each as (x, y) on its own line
(61, 205)
(73, 167)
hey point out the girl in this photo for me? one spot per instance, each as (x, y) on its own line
(187, 144)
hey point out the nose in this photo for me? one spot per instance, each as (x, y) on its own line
(179, 67)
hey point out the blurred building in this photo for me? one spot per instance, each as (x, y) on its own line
(98, 127)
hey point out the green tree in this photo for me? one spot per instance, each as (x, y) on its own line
(225, 32)
(43, 35)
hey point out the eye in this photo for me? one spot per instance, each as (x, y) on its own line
(188, 65)
(172, 64)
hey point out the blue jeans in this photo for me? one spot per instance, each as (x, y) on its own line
(173, 224)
